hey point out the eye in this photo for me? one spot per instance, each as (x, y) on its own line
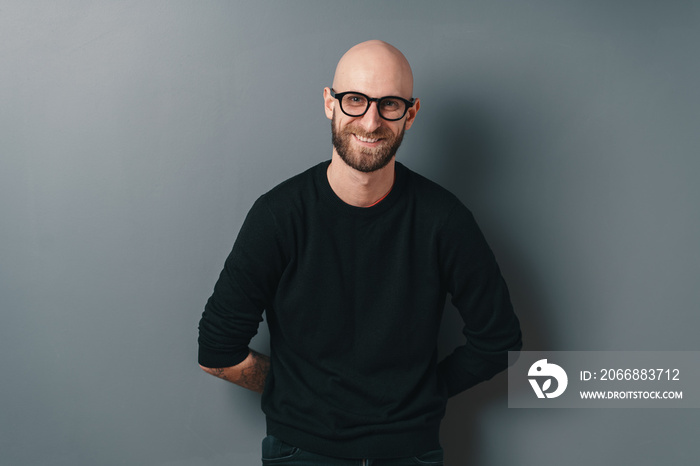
(355, 100)
(391, 104)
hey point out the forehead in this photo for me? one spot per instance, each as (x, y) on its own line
(374, 85)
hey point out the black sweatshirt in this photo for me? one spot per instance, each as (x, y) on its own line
(353, 298)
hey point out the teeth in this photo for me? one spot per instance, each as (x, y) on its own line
(366, 139)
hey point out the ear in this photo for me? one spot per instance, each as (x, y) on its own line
(412, 113)
(328, 102)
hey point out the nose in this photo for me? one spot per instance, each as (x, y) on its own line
(371, 120)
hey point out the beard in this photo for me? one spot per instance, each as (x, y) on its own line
(366, 159)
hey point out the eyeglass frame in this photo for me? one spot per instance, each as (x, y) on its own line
(340, 95)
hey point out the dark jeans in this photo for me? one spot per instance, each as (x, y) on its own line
(276, 452)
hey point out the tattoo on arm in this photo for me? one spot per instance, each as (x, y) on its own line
(253, 377)
(250, 374)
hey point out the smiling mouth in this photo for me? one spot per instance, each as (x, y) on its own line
(366, 140)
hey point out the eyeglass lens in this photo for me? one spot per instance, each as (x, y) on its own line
(357, 104)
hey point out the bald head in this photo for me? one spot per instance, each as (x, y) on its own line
(374, 68)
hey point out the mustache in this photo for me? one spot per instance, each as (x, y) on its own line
(379, 133)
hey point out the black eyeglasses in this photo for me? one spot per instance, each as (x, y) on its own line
(356, 104)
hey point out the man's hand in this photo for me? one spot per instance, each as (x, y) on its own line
(250, 374)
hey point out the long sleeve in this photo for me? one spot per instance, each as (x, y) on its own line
(480, 294)
(245, 288)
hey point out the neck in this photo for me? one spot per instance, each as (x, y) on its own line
(357, 188)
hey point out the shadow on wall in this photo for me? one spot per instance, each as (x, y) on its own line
(467, 160)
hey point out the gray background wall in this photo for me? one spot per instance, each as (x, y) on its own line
(135, 135)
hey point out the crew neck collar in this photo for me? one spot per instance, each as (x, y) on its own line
(336, 202)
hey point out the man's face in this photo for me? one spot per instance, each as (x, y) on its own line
(366, 151)
(368, 143)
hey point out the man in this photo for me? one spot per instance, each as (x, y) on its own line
(352, 261)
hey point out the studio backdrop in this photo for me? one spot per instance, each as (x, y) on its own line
(135, 136)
